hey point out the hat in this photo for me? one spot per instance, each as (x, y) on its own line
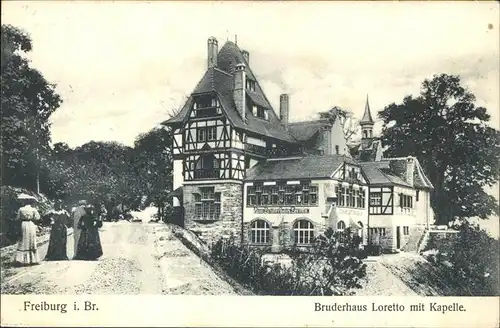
(26, 197)
(82, 202)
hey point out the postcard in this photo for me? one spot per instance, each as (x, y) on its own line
(201, 163)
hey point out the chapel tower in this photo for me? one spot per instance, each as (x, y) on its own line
(366, 122)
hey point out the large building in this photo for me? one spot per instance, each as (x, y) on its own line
(242, 169)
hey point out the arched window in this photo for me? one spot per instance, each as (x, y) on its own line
(303, 231)
(260, 232)
(340, 226)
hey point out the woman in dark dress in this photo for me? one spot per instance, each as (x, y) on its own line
(89, 244)
(59, 218)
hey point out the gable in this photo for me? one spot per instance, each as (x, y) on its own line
(220, 81)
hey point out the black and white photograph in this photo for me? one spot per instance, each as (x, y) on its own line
(250, 148)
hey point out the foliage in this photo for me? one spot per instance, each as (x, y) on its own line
(475, 261)
(331, 267)
(152, 154)
(9, 226)
(27, 101)
(471, 265)
(449, 135)
(347, 121)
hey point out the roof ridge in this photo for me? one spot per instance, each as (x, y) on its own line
(322, 120)
(222, 71)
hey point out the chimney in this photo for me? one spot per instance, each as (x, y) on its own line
(410, 169)
(239, 93)
(212, 52)
(246, 55)
(284, 104)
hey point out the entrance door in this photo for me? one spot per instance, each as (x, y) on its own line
(398, 237)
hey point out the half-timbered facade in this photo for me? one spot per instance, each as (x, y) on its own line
(242, 169)
(225, 127)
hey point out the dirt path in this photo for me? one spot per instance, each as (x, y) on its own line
(139, 258)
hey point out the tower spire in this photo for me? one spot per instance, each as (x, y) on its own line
(367, 122)
(367, 116)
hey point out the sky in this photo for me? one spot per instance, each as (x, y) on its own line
(120, 67)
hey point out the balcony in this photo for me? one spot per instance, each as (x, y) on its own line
(259, 150)
(206, 174)
(283, 152)
(209, 111)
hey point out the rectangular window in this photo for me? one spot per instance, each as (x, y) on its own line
(405, 201)
(274, 195)
(282, 194)
(205, 106)
(406, 231)
(376, 199)
(207, 204)
(206, 134)
(313, 192)
(251, 199)
(350, 196)
(250, 84)
(260, 112)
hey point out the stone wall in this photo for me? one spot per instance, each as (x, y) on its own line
(411, 242)
(441, 240)
(231, 217)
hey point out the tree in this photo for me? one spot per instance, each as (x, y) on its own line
(347, 121)
(450, 136)
(154, 164)
(27, 102)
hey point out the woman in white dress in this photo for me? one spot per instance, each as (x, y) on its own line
(27, 251)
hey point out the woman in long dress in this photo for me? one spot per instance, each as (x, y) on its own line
(27, 251)
(59, 218)
(89, 243)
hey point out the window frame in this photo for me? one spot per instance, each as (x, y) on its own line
(264, 233)
(340, 223)
(207, 204)
(282, 194)
(301, 234)
(203, 133)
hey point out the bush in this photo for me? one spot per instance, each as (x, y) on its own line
(11, 228)
(374, 250)
(331, 267)
(472, 263)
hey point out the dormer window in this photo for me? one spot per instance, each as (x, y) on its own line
(205, 106)
(260, 112)
(250, 84)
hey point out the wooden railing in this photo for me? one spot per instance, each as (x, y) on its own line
(259, 150)
(206, 174)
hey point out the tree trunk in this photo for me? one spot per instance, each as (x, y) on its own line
(440, 201)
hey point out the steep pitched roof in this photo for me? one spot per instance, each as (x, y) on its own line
(392, 171)
(379, 173)
(367, 116)
(220, 81)
(307, 167)
(367, 150)
(303, 131)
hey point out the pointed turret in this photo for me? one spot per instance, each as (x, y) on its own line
(367, 122)
(367, 116)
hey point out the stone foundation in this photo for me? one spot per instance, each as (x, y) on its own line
(230, 220)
